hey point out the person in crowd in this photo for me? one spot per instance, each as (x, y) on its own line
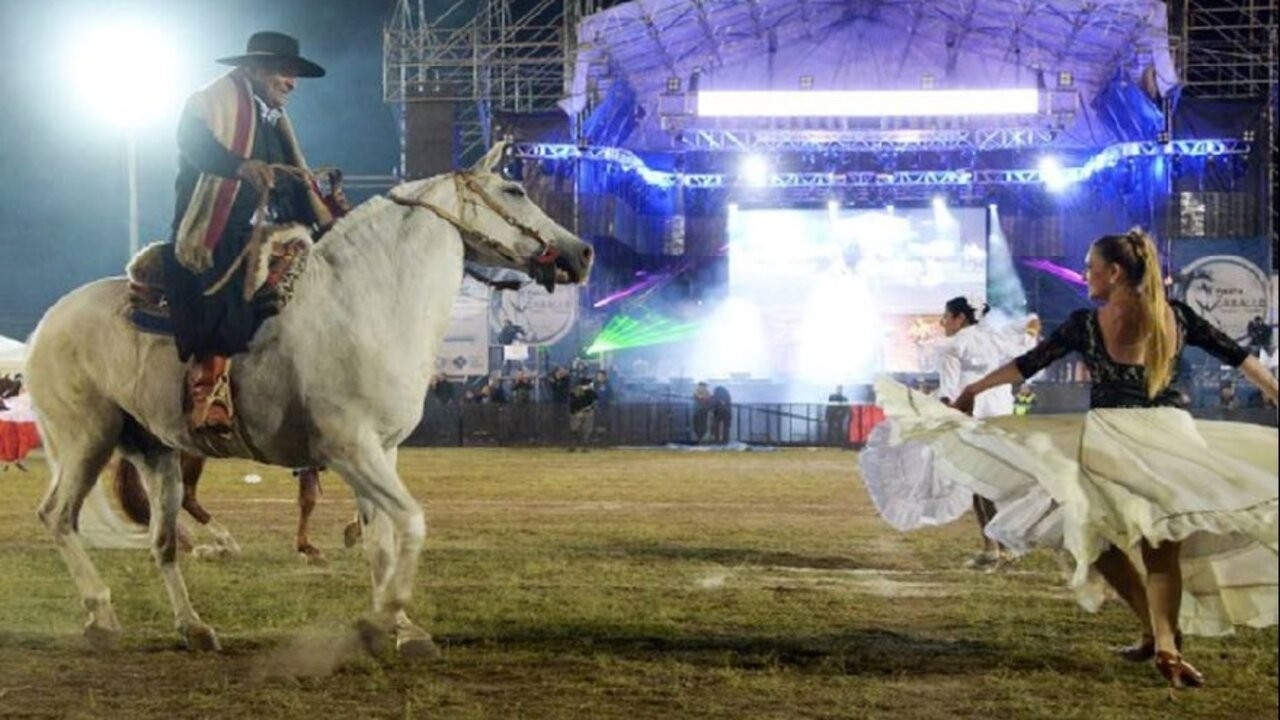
(604, 388)
(702, 406)
(560, 383)
(1259, 334)
(721, 415)
(582, 414)
(497, 391)
(522, 388)
(510, 333)
(1135, 474)
(838, 418)
(442, 390)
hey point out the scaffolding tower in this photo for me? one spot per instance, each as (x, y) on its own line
(482, 57)
(1227, 50)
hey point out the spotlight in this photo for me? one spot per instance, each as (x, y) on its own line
(673, 84)
(1065, 79)
(889, 208)
(939, 203)
(1051, 174)
(833, 206)
(755, 171)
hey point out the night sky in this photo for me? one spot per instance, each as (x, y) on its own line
(64, 204)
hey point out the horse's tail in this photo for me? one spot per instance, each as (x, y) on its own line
(101, 526)
(130, 493)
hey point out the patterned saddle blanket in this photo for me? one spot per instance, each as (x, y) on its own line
(272, 263)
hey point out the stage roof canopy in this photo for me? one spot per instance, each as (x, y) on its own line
(1072, 49)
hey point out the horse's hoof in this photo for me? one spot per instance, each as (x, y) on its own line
(312, 556)
(373, 635)
(102, 639)
(417, 647)
(201, 638)
(351, 534)
(210, 552)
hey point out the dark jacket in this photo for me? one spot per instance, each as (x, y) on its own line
(224, 323)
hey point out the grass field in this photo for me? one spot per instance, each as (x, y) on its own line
(613, 584)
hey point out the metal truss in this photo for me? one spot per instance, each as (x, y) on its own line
(1227, 48)
(861, 141)
(1113, 155)
(626, 161)
(482, 56)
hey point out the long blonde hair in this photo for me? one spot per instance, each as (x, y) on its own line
(1136, 254)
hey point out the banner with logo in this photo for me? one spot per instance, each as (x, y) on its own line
(532, 315)
(1224, 281)
(465, 349)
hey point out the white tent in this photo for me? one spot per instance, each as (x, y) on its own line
(13, 355)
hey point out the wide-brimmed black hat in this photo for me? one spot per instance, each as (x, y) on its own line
(274, 47)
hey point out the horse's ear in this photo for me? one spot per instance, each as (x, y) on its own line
(492, 160)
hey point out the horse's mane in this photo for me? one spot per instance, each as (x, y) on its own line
(353, 232)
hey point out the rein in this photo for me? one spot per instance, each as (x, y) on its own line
(466, 180)
(296, 172)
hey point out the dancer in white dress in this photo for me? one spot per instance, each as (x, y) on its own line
(972, 350)
(1196, 499)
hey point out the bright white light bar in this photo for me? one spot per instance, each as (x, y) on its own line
(867, 103)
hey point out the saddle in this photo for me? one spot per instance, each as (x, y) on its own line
(272, 263)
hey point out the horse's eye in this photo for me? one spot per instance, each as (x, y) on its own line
(513, 191)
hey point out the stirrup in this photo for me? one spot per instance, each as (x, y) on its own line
(212, 410)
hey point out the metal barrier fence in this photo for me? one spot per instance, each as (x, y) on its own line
(649, 424)
(629, 424)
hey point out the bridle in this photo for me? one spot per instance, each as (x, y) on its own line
(466, 180)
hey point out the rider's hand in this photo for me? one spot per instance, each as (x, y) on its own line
(258, 174)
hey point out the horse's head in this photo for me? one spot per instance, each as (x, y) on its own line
(510, 231)
(500, 226)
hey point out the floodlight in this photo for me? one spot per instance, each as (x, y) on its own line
(125, 72)
(867, 103)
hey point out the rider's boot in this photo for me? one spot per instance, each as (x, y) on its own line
(209, 387)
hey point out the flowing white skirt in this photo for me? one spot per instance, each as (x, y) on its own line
(1083, 482)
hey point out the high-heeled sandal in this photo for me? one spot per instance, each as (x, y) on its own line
(1145, 649)
(1179, 672)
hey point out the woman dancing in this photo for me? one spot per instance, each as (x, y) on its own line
(971, 351)
(1196, 499)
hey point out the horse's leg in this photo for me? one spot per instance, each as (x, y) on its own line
(133, 497)
(163, 476)
(394, 530)
(411, 639)
(379, 541)
(352, 533)
(76, 461)
(308, 492)
(192, 467)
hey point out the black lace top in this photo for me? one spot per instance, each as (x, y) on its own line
(1116, 385)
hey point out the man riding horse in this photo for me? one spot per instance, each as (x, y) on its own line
(230, 136)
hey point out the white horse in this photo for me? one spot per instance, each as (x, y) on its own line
(337, 379)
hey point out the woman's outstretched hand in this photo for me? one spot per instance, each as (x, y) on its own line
(964, 403)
